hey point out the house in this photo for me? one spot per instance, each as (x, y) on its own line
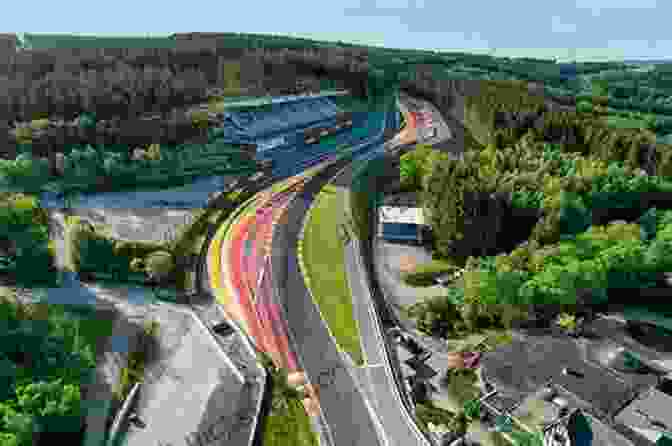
(650, 415)
(573, 429)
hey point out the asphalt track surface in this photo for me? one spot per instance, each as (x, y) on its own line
(342, 403)
(247, 258)
(346, 410)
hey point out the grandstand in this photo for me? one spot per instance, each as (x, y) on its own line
(249, 124)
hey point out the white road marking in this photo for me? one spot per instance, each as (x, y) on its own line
(372, 365)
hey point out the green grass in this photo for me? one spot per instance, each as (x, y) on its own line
(291, 426)
(323, 257)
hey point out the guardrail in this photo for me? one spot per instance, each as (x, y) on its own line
(249, 189)
(122, 415)
(393, 368)
(306, 279)
(395, 372)
(385, 314)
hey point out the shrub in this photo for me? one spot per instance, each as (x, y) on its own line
(459, 424)
(567, 321)
(472, 409)
(160, 265)
(154, 152)
(424, 275)
(24, 135)
(132, 249)
(199, 118)
(438, 316)
(429, 413)
(39, 124)
(137, 265)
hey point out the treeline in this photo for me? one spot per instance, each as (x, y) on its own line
(44, 137)
(502, 112)
(121, 85)
(121, 90)
(126, 81)
(629, 103)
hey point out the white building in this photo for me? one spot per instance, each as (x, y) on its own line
(401, 224)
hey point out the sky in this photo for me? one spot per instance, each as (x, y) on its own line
(568, 30)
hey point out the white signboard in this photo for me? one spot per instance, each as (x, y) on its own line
(394, 214)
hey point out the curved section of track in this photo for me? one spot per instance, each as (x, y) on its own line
(267, 305)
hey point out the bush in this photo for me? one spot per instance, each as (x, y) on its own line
(429, 413)
(472, 409)
(132, 249)
(424, 275)
(160, 265)
(567, 321)
(137, 265)
(438, 316)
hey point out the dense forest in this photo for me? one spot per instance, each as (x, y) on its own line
(552, 208)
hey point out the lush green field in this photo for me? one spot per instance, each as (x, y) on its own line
(323, 255)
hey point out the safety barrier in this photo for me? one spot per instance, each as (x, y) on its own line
(122, 416)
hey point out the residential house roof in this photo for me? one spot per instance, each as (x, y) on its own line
(521, 367)
(650, 415)
(572, 430)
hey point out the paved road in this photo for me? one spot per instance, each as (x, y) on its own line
(377, 379)
(220, 389)
(246, 261)
(215, 388)
(342, 402)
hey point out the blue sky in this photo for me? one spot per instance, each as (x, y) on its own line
(580, 29)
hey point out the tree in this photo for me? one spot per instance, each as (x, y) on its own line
(472, 409)
(154, 152)
(409, 171)
(137, 265)
(524, 438)
(20, 428)
(159, 265)
(584, 107)
(459, 424)
(599, 87)
(55, 406)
